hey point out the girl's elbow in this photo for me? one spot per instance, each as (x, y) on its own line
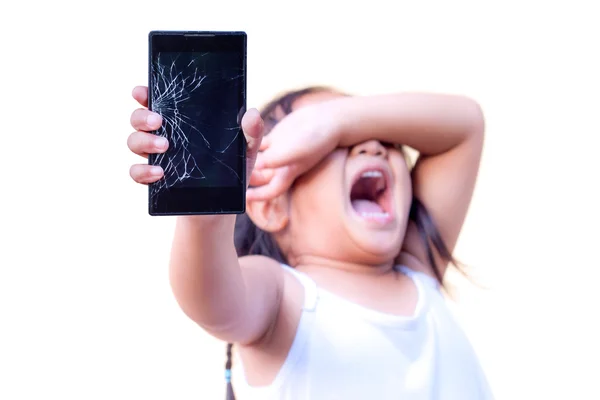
(476, 119)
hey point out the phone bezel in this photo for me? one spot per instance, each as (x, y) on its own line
(200, 200)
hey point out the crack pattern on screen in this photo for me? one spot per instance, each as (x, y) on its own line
(171, 93)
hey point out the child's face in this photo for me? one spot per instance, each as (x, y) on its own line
(352, 207)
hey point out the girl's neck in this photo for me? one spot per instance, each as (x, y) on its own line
(320, 265)
(380, 288)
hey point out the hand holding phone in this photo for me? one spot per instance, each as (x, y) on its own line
(142, 142)
(197, 84)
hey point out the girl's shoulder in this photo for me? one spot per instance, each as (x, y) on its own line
(258, 264)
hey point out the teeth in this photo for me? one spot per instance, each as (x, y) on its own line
(374, 215)
(372, 174)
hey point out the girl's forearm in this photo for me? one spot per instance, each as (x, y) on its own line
(205, 273)
(430, 123)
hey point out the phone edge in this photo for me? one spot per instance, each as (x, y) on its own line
(151, 157)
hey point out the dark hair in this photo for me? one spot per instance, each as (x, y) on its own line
(251, 240)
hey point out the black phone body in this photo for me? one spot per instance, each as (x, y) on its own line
(197, 83)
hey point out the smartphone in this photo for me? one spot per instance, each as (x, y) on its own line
(197, 83)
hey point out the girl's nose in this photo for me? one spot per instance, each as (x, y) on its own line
(370, 148)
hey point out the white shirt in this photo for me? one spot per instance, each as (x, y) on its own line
(345, 351)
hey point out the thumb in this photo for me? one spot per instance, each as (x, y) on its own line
(253, 126)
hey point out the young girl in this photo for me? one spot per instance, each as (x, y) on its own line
(330, 284)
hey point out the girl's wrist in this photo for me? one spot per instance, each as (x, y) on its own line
(211, 223)
(338, 118)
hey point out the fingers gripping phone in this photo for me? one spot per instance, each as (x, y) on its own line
(197, 83)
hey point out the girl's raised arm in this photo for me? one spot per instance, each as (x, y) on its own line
(447, 131)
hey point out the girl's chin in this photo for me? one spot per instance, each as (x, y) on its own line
(383, 249)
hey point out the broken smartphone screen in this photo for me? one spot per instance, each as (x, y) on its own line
(197, 83)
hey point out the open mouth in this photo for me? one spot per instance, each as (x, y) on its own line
(370, 197)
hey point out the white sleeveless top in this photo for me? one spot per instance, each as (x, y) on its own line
(345, 351)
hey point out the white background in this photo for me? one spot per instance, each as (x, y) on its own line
(85, 306)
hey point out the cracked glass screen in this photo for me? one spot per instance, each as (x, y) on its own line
(197, 95)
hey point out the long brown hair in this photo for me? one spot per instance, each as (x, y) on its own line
(251, 240)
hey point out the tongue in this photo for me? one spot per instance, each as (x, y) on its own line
(366, 206)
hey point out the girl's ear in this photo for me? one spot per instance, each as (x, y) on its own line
(271, 215)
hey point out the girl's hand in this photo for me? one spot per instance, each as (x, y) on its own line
(142, 142)
(296, 144)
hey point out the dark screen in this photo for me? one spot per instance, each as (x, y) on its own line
(197, 96)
